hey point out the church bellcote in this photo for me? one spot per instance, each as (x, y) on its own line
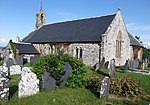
(40, 19)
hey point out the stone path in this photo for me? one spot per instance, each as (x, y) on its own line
(145, 72)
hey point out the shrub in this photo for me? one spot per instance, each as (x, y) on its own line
(125, 87)
(1, 62)
(55, 64)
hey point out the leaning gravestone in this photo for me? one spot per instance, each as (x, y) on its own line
(126, 66)
(15, 69)
(9, 62)
(4, 69)
(68, 71)
(104, 92)
(29, 84)
(112, 68)
(49, 82)
(4, 88)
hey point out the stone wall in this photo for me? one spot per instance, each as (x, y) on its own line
(4, 89)
(90, 53)
(29, 84)
(15, 69)
(109, 41)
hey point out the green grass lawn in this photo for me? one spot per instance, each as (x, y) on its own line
(69, 96)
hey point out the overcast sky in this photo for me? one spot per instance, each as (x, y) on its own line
(17, 17)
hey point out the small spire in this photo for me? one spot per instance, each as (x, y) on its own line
(41, 5)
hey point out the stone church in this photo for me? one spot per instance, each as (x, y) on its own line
(90, 40)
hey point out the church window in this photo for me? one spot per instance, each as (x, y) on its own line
(80, 53)
(118, 45)
(77, 51)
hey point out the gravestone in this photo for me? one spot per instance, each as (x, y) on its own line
(15, 69)
(29, 84)
(68, 71)
(9, 62)
(136, 63)
(126, 66)
(96, 66)
(112, 68)
(49, 82)
(102, 62)
(130, 64)
(146, 62)
(33, 59)
(106, 65)
(4, 88)
(104, 92)
(4, 69)
(19, 60)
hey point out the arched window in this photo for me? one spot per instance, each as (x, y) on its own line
(80, 53)
(77, 51)
(118, 44)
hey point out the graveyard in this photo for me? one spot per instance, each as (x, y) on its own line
(72, 83)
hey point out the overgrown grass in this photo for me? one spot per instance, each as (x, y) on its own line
(79, 96)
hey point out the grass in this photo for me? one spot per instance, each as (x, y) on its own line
(79, 96)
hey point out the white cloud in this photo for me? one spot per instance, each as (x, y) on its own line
(147, 44)
(137, 27)
(3, 42)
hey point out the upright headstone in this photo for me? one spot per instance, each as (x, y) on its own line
(106, 65)
(102, 63)
(19, 60)
(15, 69)
(29, 84)
(4, 88)
(146, 62)
(68, 71)
(104, 92)
(112, 68)
(4, 69)
(49, 82)
(126, 66)
(9, 62)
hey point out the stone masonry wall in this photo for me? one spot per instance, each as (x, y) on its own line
(90, 53)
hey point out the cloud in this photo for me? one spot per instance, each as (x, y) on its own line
(147, 44)
(3, 42)
(137, 27)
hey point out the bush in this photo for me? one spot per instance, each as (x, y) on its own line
(55, 64)
(1, 62)
(125, 87)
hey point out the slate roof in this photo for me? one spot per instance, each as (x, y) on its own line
(26, 48)
(84, 30)
(134, 41)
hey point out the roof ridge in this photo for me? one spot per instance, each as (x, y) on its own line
(79, 19)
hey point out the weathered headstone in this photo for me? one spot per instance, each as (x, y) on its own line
(49, 82)
(9, 62)
(146, 62)
(15, 69)
(104, 92)
(112, 68)
(106, 65)
(96, 66)
(68, 71)
(19, 60)
(4, 88)
(126, 66)
(29, 84)
(4, 69)
(102, 62)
